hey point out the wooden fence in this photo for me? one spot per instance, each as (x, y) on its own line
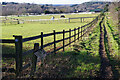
(9, 21)
(58, 20)
(42, 21)
(18, 41)
(81, 18)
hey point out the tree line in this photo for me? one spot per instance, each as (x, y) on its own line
(13, 8)
(114, 10)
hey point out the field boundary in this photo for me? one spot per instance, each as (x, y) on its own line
(105, 69)
(42, 21)
(18, 41)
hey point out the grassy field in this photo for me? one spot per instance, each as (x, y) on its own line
(112, 44)
(56, 16)
(82, 61)
(35, 28)
(11, 19)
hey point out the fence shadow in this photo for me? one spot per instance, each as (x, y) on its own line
(115, 36)
(65, 65)
(8, 62)
(51, 60)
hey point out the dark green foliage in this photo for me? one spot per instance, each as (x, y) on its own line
(47, 12)
(117, 8)
(106, 8)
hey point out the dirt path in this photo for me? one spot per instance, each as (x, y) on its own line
(105, 69)
(111, 51)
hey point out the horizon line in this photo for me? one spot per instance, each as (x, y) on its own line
(54, 3)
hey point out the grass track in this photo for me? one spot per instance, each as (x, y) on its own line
(112, 51)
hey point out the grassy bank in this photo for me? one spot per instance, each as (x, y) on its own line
(112, 49)
(82, 61)
(84, 65)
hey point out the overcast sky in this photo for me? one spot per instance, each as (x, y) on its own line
(50, 1)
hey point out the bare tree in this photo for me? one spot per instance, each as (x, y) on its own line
(113, 8)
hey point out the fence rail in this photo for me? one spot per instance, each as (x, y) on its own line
(18, 41)
(82, 17)
(11, 21)
(7, 41)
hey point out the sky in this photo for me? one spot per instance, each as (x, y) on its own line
(50, 1)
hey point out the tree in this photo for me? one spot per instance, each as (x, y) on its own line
(47, 12)
(113, 12)
(106, 8)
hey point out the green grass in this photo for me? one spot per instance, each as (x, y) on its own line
(35, 28)
(69, 64)
(113, 49)
(56, 16)
(10, 19)
(113, 42)
(84, 63)
(28, 30)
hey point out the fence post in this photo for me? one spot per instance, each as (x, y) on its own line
(41, 40)
(63, 40)
(81, 32)
(34, 59)
(69, 37)
(81, 20)
(69, 20)
(78, 32)
(74, 34)
(91, 24)
(54, 42)
(18, 51)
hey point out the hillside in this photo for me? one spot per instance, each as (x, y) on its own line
(12, 8)
(91, 6)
